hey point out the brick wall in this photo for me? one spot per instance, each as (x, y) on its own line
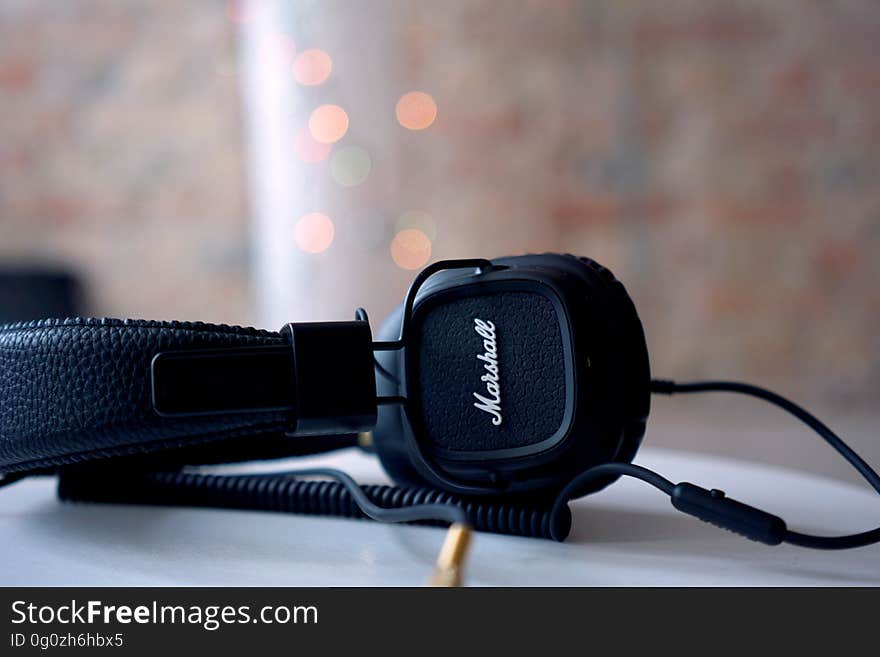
(120, 153)
(723, 158)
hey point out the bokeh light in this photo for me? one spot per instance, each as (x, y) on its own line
(366, 229)
(416, 110)
(350, 166)
(314, 232)
(312, 67)
(328, 123)
(411, 249)
(308, 149)
(418, 219)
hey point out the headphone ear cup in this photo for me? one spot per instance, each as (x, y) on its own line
(606, 358)
(389, 433)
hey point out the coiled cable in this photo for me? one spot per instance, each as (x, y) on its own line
(289, 493)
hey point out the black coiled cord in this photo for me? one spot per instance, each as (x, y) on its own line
(283, 493)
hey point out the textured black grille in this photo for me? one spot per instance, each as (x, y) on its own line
(530, 363)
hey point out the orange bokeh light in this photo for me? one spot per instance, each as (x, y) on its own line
(410, 249)
(312, 67)
(314, 232)
(328, 123)
(308, 149)
(416, 110)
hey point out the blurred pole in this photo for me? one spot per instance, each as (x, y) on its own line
(289, 283)
(269, 101)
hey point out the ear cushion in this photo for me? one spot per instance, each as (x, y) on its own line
(630, 371)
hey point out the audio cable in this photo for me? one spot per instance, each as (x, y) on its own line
(295, 491)
(713, 506)
(450, 562)
(299, 492)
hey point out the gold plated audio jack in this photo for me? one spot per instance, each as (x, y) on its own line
(365, 440)
(450, 562)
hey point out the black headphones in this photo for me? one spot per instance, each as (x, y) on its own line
(499, 388)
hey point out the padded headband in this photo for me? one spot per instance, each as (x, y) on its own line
(75, 389)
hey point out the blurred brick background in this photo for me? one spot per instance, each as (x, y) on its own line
(723, 158)
(120, 153)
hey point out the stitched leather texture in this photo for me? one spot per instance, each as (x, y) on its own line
(79, 389)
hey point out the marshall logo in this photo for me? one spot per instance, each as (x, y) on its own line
(491, 403)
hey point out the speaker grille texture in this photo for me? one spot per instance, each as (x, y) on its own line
(524, 333)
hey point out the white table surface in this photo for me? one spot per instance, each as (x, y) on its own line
(626, 535)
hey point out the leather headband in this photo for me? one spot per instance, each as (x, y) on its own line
(75, 389)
